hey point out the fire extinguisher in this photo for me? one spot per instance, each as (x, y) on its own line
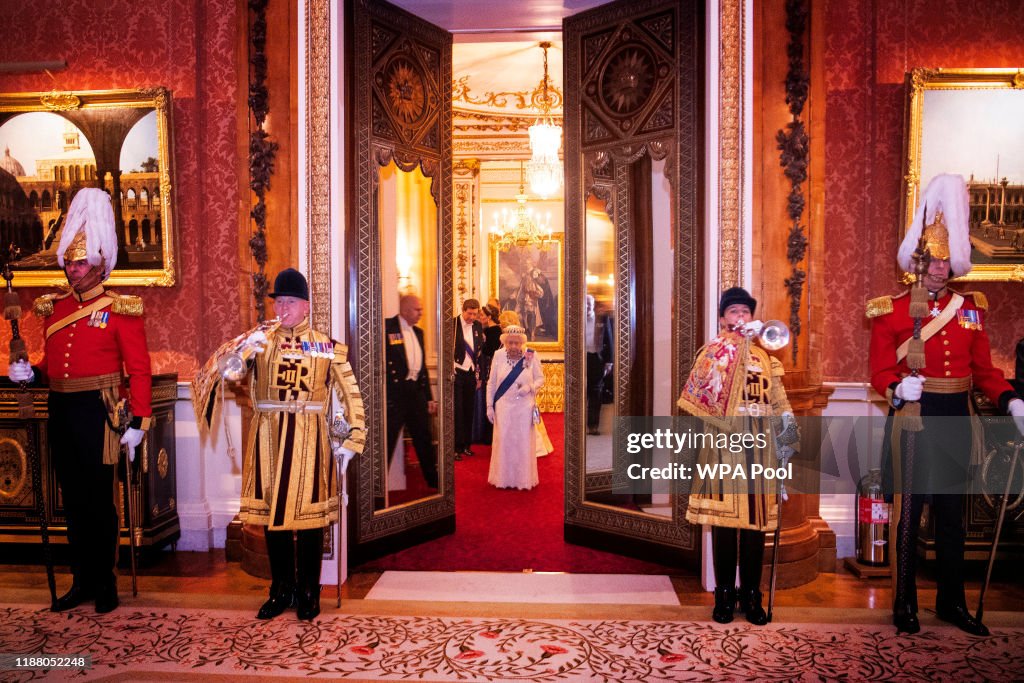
(872, 536)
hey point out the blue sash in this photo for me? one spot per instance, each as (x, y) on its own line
(510, 379)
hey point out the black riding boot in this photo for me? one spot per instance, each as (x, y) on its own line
(281, 551)
(310, 554)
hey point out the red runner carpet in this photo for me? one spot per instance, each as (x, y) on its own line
(511, 530)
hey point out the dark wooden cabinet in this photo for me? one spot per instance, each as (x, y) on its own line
(21, 441)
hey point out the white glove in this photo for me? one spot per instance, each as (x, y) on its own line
(132, 438)
(910, 388)
(490, 413)
(344, 455)
(1016, 408)
(257, 340)
(21, 372)
(524, 390)
(753, 328)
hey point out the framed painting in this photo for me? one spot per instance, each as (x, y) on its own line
(528, 280)
(971, 122)
(54, 144)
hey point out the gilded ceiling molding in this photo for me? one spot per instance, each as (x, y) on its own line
(521, 100)
(730, 142)
(318, 160)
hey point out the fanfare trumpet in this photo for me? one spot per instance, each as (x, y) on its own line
(773, 335)
(233, 363)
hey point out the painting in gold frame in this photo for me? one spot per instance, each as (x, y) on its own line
(55, 143)
(528, 280)
(971, 122)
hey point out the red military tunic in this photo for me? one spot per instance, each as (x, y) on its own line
(91, 339)
(959, 349)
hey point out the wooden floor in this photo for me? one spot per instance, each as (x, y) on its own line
(196, 574)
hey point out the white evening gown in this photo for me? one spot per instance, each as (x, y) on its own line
(515, 444)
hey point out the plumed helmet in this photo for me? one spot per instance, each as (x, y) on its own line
(89, 232)
(942, 218)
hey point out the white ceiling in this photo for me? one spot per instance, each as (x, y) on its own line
(482, 16)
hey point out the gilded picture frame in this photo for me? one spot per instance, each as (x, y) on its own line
(971, 122)
(528, 280)
(53, 144)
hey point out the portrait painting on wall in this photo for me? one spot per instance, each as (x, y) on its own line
(971, 122)
(54, 144)
(527, 280)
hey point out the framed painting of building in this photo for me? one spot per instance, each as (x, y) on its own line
(528, 280)
(971, 122)
(54, 144)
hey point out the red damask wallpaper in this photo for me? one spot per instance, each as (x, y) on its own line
(869, 46)
(189, 47)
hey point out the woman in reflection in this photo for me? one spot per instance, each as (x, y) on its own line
(512, 387)
(735, 386)
(482, 428)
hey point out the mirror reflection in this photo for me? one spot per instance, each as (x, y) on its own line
(634, 378)
(407, 220)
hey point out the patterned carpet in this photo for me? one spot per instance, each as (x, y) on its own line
(178, 644)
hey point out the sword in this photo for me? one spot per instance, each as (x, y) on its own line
(999, 528)
(338, 432)
(123, 420)
(12, 312)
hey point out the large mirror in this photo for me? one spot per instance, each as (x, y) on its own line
(399, 246)
(633, 173)
(407, 224)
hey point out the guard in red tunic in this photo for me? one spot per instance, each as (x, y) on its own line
(932, 377)
(94, 338)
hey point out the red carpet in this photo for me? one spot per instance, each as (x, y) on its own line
(511, 530)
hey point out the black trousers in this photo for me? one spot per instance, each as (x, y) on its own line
(407, 407)
(948, 510)
(465, 395)
(295, 558)
(75, 431)
(750, 556)
(595, 384)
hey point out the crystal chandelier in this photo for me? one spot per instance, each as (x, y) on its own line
(545, 168)
(521, 227)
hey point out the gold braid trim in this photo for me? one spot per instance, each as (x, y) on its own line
(879, 306)
(126, 304)
(43, 305)
(980, 300)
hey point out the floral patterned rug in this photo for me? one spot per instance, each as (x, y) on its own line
(141, 643)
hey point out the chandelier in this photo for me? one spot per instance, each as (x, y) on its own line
(545, 168)
(521, 227)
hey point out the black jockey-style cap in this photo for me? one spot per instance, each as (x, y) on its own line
(736, 295)
(290, 282)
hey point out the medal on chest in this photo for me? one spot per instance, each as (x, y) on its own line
(99, 319)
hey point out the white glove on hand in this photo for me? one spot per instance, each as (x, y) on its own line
(1016, 408)
(344, 455)
(524, 390)
(21, 372)
(753, 328)
(910, 388)
(257, 340)
(132, 438)
(490, 414)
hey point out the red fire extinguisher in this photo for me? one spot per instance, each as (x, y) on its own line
(872, 536)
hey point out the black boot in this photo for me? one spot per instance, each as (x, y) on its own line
(957, 614)
(904, 618)
(73, 598)
(725, 603)
(750, 604)
(106, 598)
(310, 547)
(281, 598)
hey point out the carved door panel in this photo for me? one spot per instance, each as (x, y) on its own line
(399, 172)
(634, 156)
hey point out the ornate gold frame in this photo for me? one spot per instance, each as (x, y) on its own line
(558, 239)
(918, 82)
(79, 107)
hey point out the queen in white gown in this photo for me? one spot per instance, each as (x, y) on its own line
(516, 440)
